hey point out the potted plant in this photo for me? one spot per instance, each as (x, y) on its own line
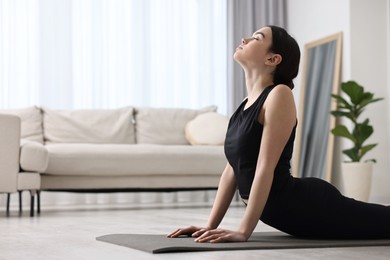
(356, 173)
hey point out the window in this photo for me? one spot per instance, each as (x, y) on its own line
(108, 54)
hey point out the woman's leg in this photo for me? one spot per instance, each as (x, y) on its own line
(315, 208)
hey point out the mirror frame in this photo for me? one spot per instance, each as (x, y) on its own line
(337, 38)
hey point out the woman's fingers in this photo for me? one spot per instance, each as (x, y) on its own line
(209, 235)
(179, 232)
(184, 231)
(171, 234)
(199, 232)
(206, 235)
(207, 239)
(174, 233)
(221, 235)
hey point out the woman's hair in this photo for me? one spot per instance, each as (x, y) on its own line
(286, 46)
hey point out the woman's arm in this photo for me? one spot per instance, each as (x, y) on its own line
(226, 189)
(225, 193)
(278, 118)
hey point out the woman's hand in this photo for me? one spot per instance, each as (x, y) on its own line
(191, 231)
(221, 235)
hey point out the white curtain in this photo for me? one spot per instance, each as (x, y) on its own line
(71, 54)
(19, 53)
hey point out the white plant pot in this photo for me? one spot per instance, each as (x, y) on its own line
(356, 179)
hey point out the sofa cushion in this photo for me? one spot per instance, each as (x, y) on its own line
(33, 156)
(164, 125)
(137, 159)
(31, 122)
(99, 126)
(207, 129)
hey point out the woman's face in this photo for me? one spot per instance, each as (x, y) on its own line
(254, 51)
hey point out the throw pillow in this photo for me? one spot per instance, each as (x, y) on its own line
(207, 129)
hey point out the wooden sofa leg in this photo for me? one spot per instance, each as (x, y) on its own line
(20, 202)
(8, 202)
(32, 195)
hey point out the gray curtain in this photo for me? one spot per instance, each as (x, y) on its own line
(244, 18)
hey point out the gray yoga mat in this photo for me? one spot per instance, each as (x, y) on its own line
(259, 240)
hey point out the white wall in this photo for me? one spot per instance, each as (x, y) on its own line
(369, 68)
(365, 27)
(309, 20)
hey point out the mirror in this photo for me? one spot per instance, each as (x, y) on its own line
(320, 78)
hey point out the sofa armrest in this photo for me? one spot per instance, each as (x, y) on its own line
(33, 156)
(9, 152)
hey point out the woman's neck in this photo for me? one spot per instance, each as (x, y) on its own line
(256, 82)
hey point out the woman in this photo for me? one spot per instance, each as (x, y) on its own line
(258, 147)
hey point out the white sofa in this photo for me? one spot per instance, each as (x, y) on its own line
(126, 149)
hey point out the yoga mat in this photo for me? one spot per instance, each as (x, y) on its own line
(259, 240)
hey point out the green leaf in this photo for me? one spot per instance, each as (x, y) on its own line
(353, 154)
(369, 101)
(362, 132)
(340, 113)
(366, 148)
(342, 131)
(353, 90)
(341, 101)
(365, 97)
(376, 100)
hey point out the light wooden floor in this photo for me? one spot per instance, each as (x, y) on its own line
(69, 233)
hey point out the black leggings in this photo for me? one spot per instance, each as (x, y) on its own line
(311, 207)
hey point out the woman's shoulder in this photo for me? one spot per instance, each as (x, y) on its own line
(281, 93)
(280, 105)
(281, 99)
(282, 88)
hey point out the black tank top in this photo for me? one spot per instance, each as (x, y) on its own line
(242, 146)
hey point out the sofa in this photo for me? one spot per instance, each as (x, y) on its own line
(109, 150)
